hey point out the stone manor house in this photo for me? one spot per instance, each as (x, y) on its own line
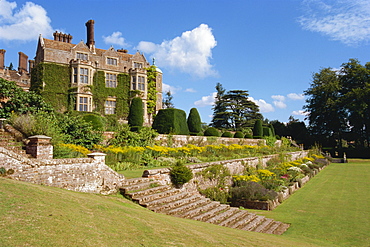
(83, 62)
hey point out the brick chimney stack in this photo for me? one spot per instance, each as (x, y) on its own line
(2, 59)
(90, 34)
(22, 64)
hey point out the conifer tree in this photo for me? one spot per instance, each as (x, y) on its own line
(194, 121)
(135, 116)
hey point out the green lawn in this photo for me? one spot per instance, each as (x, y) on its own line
(331, 210)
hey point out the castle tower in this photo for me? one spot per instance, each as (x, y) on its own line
(2, 59)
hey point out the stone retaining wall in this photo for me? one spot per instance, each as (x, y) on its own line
(83, 174)
(236, 167)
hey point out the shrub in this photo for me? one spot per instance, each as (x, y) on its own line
(125, 137)
(227, 134)
(238, 134)
(136, 113)
(96, 121)
(258, 129)
(248, 136)
(216, 194)
(252, 191)
(267, 131)
(172, 121)
(211, 131)
(180, 174)
(194, 121)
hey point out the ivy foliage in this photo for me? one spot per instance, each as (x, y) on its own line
(152, 89)
(15, 100)
(121, 93)
(53, 82)
(124, 137)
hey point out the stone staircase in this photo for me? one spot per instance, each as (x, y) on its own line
(192, 205)
(8, 142)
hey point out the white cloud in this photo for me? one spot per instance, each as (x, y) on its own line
(172, 89)
(190, 90)
(24, 24)
(190, 53)
(115, 39)
(206, 100)
(347, 21)
(295, 96)
(299, 113)
(263, 105)
(278, 97)
(279, 104)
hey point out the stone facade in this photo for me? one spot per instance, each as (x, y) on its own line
(83, 174)
(84, 60)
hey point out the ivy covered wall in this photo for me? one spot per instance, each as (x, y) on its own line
(121, 93)
(53, 82)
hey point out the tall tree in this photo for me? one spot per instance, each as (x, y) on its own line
(220, 118)
(241, 111)
(355, 90)
(167, 101)
(326, 113)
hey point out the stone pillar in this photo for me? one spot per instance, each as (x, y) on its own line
(99, 157)
(40, 147)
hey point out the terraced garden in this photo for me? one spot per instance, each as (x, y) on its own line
(330, 210)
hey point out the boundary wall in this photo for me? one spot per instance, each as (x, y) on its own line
(81, 174)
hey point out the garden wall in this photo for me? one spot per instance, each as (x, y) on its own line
(182, 140)
(83, 174)
(236, 167)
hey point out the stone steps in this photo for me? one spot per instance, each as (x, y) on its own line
(192, 205)
(7, 141)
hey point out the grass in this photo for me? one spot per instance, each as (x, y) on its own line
(332, 209)
(35, 215)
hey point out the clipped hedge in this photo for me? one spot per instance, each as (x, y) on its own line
(238, 134)
(267, 131)
(258, 129)
(227, 134)
(136, 113)
(172, 121)
(212, 131)
(97, 122)
(194, 121)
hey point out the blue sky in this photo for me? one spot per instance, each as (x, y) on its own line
(268, 47)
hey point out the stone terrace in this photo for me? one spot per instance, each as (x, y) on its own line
(190, 204)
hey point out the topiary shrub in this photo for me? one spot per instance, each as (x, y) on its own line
(227, 134)
(136, 113)
(96, 121)
(172, 121)
(248, 136)
(211, 131)
(267, 131)
(194, 122)
(238, 134)
(258, 129)
(180, 174)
